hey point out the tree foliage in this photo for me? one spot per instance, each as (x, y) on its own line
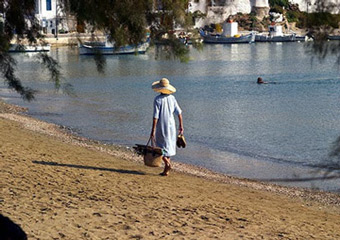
(124, 21)
(321, 24)
(280, 3)
(18, 23)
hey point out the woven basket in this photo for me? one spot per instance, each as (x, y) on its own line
(152, 155)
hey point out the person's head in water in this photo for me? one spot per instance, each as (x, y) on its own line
(260, 80)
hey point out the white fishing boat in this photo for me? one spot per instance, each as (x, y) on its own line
(229, 35)
(222, 39)
(276, 35)
(109, 48)
(284, 38)
(29, 48)
(333, 37)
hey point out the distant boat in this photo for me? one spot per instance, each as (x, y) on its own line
(333, 37)
(283, 38)
(276, 35)
(29, 48)
(187, 39)
(108, 48)
(222, 39)
(229, 35)
(95, 43)
(302, 38)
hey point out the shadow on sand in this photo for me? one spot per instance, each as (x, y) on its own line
(88, 167)
(9, 230)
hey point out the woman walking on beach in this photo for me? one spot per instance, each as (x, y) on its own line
(164, 125)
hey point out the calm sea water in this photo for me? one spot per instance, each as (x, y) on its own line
(233, 125)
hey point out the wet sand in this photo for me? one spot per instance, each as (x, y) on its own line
(59, 186)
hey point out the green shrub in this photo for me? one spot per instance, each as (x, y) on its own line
(323, 18)
(277, 9)
(292, 16)
(281, 3)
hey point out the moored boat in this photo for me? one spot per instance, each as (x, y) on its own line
(229, 35)
(221, 39)
(110, 49)
(301, 38)
(283, 38)
(333, 37)
(276, 35)
(29, 48)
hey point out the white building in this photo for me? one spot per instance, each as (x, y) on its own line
(230, 29)
(46, 13)
(219, 10)
(200, 6)
(50, 16)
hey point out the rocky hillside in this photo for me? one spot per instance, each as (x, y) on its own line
(281, 11)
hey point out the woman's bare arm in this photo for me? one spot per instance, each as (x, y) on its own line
(181, 128)
(153, 130)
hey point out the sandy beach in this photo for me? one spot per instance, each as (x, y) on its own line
(59, 186)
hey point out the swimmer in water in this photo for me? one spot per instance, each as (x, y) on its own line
(260, 81)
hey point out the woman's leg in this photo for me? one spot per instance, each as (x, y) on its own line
(167, 167)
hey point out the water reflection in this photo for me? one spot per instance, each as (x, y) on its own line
(278, 127)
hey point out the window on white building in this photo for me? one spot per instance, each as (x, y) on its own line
(37, 7)
(49, 5)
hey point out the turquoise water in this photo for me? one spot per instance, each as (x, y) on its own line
(233, 125)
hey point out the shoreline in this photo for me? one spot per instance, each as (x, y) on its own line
(16, 113)
(60, 186)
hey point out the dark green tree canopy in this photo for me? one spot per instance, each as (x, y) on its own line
(124, 21)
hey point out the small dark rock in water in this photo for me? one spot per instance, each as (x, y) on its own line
(10, 230)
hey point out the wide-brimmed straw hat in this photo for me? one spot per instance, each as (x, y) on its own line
(163, 86)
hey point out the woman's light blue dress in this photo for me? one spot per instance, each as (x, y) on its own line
(165, 108)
